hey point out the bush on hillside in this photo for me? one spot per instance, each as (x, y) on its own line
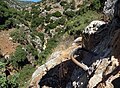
(57, 14)
(6, 82)
(47, 18)
(96, 4)
(18, 58)
(51, 26)
(61, 21)
(8, 16)
(28, 16)
(63, 3)
(19, 36)
(37, 21)
(69, 13)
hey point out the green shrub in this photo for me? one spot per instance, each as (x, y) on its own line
(81, 21)
(24, 75)
(63, 3)
(8, 16)
(41, 36)
(28, 16)
(52, 43)
(18, 58)
(51, 26)
(47, 19)
(69, 13)
(32, 50)
(76, 24)
(61, 21)
(96, 4)
(6, 82)
(57, 14)
(2, 27)
(37, 21)
(18, 35)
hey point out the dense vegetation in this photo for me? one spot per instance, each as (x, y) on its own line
(10, 17)
(31, 29)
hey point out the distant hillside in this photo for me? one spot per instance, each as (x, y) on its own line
(18, 4)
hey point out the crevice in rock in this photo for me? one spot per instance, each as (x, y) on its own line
(116, 83)
(58, 76)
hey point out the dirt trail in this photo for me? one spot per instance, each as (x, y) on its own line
(6, 45)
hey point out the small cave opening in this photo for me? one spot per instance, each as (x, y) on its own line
(116, 83)
(58, 76)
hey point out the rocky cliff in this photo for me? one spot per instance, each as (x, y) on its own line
(99, 51)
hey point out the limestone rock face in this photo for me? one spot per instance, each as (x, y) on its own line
(112, 8)
(93, 27)
(109, 7)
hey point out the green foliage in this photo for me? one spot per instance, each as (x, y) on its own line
(12, 81)
(28, 16)
(96, 4)
(7, 82)
(51, 26)
(18, 58)
(63, 3)
(37, 21)
(19, 36)
(25, 75)
(52, 43)
(41, 36)
(32, 50)
(81, 21)
(69, 14)
(61, 21)
(8, 16)
(47, 18)
(35, 11)
(57, 14)
(3, 79)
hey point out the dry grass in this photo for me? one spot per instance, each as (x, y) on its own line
(6, 45)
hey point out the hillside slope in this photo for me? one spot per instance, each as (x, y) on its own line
(100, 53)
(39, 30)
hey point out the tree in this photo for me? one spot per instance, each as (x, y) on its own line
(6, 82)
(69, 13)
(51, 26)
(96, 4)
(37, 21)
(61, 21)
(28, 16)
(18, 59)
(63, 3)
(19, 36)
(57, 14)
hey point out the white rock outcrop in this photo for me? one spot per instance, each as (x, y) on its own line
(93, 27)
